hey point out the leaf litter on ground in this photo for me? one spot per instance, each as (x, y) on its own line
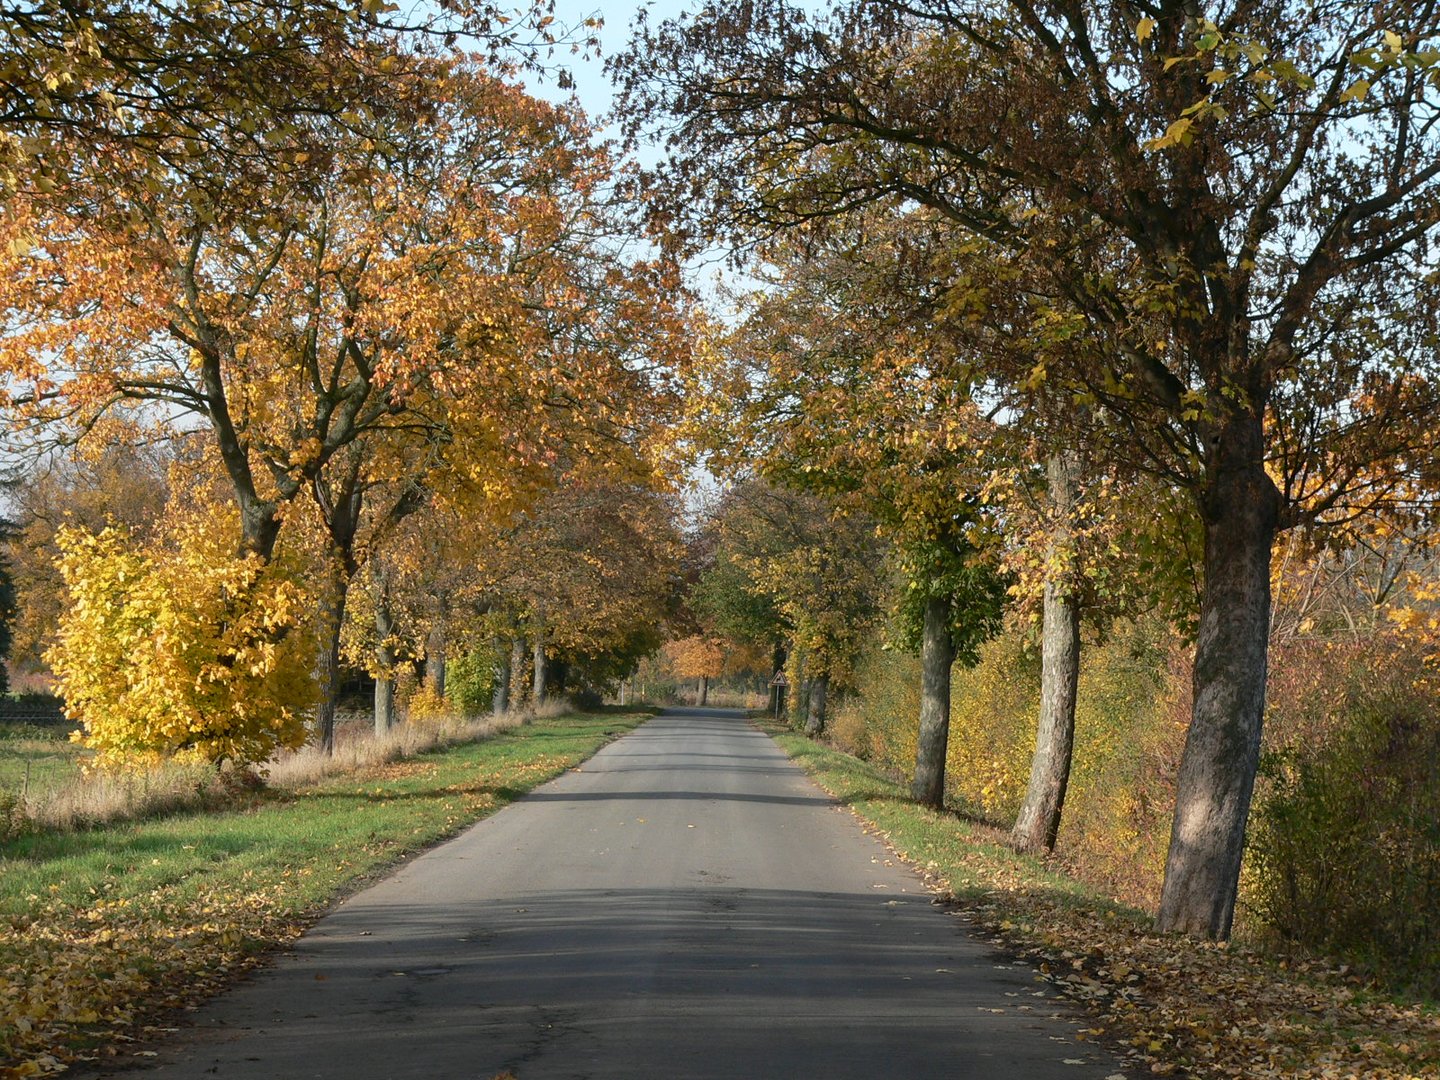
(1169, 1005)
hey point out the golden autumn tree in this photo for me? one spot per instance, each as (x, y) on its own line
(122, 484)
(200, 96)
(698, 657)
(180, 646)
(1224, 212)
(439, 299)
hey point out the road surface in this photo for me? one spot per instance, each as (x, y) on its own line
(686, 906)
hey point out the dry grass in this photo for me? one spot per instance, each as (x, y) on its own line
(90, 798)
(357, 746)
(724, 699)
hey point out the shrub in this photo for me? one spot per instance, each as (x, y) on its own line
(1345, 842)
(425, 706)
(13, 819)
(879, 721)
(994, 708)
(470, 681)
(181, 649)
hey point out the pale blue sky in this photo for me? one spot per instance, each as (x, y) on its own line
(592, 88)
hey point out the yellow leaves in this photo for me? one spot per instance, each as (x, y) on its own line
(1143, 29)
(180, 648)
(697, 657)
(1177, 134)
(1356, 91)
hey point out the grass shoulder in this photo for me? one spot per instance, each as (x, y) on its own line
(104, 930)
(1171, 1006)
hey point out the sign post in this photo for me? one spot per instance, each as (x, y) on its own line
(779, 683)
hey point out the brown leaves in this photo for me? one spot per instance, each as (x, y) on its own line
(69, 975)
(1170, 1005)
(1180, 1006)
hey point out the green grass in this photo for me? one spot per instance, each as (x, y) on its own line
(971, 857)
(35, 758)
(336, 831)
(100, 928)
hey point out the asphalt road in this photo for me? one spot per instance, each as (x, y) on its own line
(686, 905)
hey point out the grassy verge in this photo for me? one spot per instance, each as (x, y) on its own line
(104, 930)
(1173, 1006)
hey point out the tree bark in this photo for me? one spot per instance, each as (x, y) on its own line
(327, 664)
(815, 713)
(517, 669)
(537, 694)
(704, 690)
(1038, 823)
(384, 704)
(1241, 511)
(435, 652)
(385, 660)
(500, 695)
(341, 504)
(937, 656)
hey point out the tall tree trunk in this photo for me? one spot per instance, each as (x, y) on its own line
(385, 660)
(435, 652)
(517, 672)
(342, 506)
(327, 664)
(537, 694)
(500, 694)
(1038, 823)
(815, 713)
(1241, 511)
(704, 690)
(384, 704)
(937, 656)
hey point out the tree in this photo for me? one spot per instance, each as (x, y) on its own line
(820, 573)
(446, 298)
(726, 600)
(1219, 222)
(7, 611)
(201, 97)
(589, 574)
(180, 647)
(317, 311)
(700, 658)
(1038, 823)
(849, 377)
(124, 484)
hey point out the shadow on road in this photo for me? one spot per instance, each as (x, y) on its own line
(704, 981)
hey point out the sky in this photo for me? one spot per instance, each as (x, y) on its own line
(592, 88)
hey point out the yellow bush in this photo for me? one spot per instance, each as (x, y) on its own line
(425, 705)
(1127, 743)
(993, 712)
(848, 730)
(887, 707)
(181, 649)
